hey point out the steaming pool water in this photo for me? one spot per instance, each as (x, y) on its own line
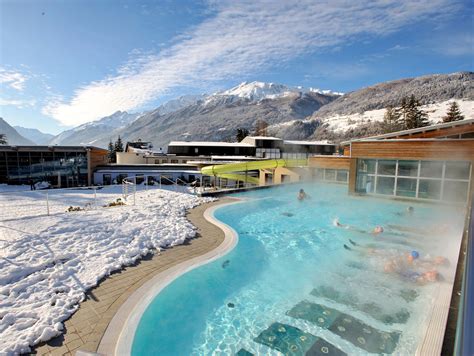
(290, 286)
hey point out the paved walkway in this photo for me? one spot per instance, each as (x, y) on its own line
(84, 330)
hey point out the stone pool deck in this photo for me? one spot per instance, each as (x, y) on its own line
(85, 329)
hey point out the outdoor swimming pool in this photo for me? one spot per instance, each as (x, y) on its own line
(290, 286)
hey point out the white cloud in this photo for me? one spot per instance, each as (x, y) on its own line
(241, 38)
(17, 103)
(13, 79)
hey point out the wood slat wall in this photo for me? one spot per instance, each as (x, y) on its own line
(96, 157)
(329, 162)
(434, 150)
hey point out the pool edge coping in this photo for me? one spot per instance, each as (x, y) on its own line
(118, 337)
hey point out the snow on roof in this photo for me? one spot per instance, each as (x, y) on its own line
(209, 143)
(313, 143)
(263, 138)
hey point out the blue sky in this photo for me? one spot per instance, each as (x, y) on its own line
(64, 63)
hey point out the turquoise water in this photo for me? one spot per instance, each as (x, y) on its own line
(290, 269)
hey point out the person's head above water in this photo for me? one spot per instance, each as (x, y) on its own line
(410, 210)
(301, 190)
(377, 230)
(430, 276)
(413, 255)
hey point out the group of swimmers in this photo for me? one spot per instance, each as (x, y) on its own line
(409, 266)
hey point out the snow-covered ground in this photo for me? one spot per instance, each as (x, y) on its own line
(341, 123)
(47, 263)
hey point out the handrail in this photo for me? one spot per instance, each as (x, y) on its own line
(466, 342)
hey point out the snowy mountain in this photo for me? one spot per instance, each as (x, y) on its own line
(34, 135)
(13, 137)
(256, 91)
(95, 132)
(179, 103)
(291, 112)
(360, 113)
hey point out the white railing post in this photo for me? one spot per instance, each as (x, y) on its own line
(47, 203)
(160, 181)
(135, 191)
(95, 198)
(146, 182)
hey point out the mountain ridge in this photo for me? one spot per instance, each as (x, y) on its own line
(291, 112)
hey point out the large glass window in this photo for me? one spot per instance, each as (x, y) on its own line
(429, 189)
(408, 168)
(406, 187)
(385, 185)
(455, 191)
(457, 170)
(330, 174)
(433, 180)
(367, 166)
(431, 169)
(342, 176)
(386, 167)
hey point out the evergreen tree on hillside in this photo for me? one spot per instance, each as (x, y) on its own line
(118, 145)
(3, 139)
(111, 154)
(241, 134)
(454, 113)
(391, 120)
(411, 116)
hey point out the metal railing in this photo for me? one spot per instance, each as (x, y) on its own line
(130, 186)
(31, 203)
(464, 335)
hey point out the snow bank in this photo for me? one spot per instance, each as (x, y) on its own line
(46, 270)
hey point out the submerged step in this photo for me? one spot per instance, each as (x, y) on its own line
(349, 328)
(290, 340)
(371, 309)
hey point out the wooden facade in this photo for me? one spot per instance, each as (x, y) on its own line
(455, 150)
(95, 157)
(332, 162)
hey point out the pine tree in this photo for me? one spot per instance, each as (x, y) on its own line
(241, 134)
(391, 121)
(118, 145)
(411, 116)
(454, 113)
(3, 139)
(111, 154)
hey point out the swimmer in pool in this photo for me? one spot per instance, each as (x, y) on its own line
(408, 211)
(302, 195)
(376, 231)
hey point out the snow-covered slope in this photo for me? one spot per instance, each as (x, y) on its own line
(179, 103)
(13, 137)
(35, 135)
(100, 131)
(435, 113)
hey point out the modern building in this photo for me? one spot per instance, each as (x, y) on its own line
(165, 173)
(207, 148)
(255, 146)
(432, 163)
(61, 166)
